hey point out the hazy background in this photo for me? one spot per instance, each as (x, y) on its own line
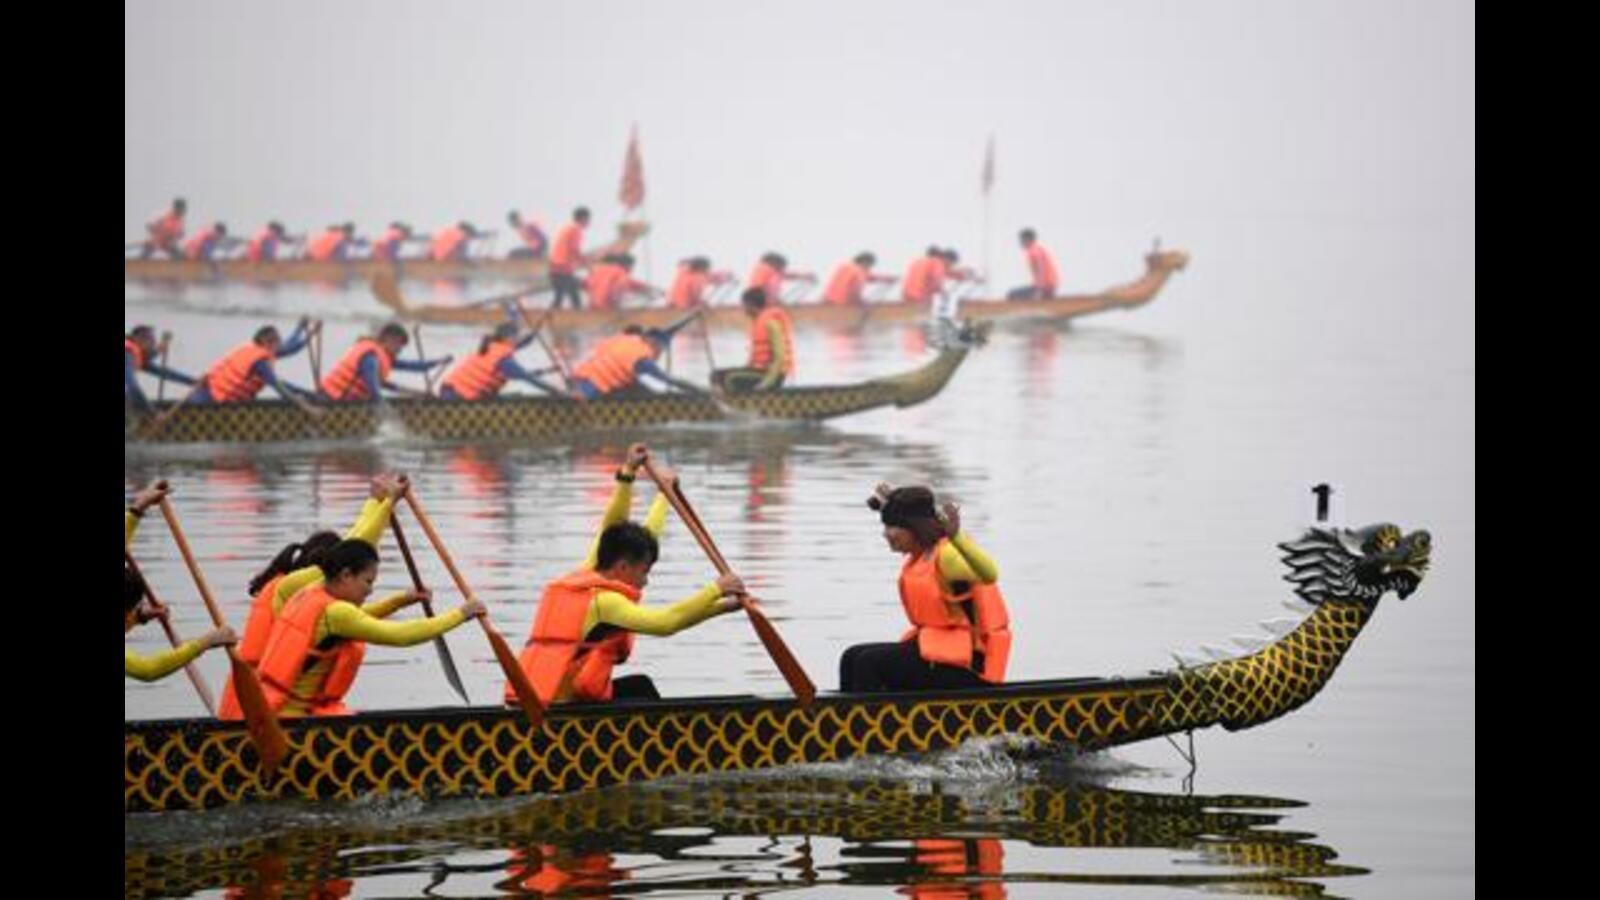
(817, 128)
(1130, 473)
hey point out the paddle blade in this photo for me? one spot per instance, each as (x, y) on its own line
(527, 697)
(799, 682)
(271, 743)
(387, 289)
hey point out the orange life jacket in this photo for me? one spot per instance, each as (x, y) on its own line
(195, 247)
(131, 346)
(252, 645)
(446, 242)
(290, 652)
(567, 253)
(478, 376)
(688, 288)
(388, 244)
(344, 382)
(943, 856)
(924, 278)
(1043, 267)
(556, 654)
(325, 245)
(167, 229)
(230, 379)
(769, 279)
(611, 364)
(607, 282)
(257, 250)
(845, 284)
(761, 345)
(942, 632)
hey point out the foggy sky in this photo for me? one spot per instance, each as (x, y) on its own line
(815, 128)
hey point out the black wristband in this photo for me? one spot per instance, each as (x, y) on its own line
(625, 479)
(137, 513)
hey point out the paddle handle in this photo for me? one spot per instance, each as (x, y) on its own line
(271, 743)
(427, 374)
(526, 695)
(446, 660)
(805, 690)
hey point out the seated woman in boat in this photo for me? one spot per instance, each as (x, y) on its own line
(318, 640)
(617, 364)
(139, 352)
(363, 372)
(138, 609)
(588, 617)
(771, 348)
(483, 374)
(960, 635)
(295, 568)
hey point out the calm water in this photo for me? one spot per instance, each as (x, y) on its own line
(1130, 474)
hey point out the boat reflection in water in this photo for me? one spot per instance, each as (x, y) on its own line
(968, 823)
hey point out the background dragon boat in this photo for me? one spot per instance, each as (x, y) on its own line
(531, 417)
(188, 764)
(1159, 266)
(534, 272)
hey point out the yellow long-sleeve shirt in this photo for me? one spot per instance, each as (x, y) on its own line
(154, 668)
(365, 623)
(961, 559)
(369, 527)
(612, 608)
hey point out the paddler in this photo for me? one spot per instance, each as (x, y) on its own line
(1041, 266)
(587, 619)
(265, 245)
(688, 289)
(336, 242)
(771, 348)
(363, 372)
(847, 285)
(535, 244)
(207, 242)
(165, 232)
(138, 608)
(611, 279)
(388, 245)
(617, 365)
(483, 374)
(139, 352)
(316, 644)
(239, 376)
(451, 244)
(295, 568)
(960, 634)
(770, 272)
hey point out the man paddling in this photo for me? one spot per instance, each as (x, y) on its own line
(482, 375)
(240, 375)
(363, 372)
(587, 619)
(165, 232)
(617, 365)
(139, 351)
(847, 286)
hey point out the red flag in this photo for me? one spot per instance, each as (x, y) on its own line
(632, 194)
(988, 167)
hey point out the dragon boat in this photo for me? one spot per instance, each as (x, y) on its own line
(535, 417)
(189, 764)
(534, 272)
(1159, 267)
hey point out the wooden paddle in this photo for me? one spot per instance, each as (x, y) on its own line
(445, 659)
(314, 353)
(532, 706)
(271, 743)
(555, 355)
(161, 420)
(804, 689)
(172, 637)
(427, 374)
(161, 385)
